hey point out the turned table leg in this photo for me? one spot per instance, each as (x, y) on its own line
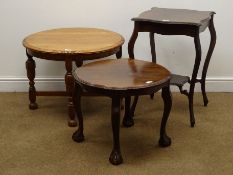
(30, 66)
(115, 156)
(164, 140)
(69, 80)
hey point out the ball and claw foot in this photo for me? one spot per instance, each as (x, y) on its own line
(78, 136)
(33, 106)
(115, 158)
(72, 123)
(128, 121)
(165, 141)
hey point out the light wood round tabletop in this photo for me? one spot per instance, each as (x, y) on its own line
(68, 45)
(73, 40)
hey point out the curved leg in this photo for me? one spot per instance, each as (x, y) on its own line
(78, 135)
(153, 52)
(132, 41)
(152, 47)
(30, 66)
(194, 77)
(207, 60)
(115, 156)
(119, 53)
(131, 44)
(69, 80)
(128, 119)
(164, 140)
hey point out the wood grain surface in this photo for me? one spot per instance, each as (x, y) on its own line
(121, 74)
(73, 41)
(175, 16)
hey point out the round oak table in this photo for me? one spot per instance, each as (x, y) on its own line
(68, 45)
(120, 79)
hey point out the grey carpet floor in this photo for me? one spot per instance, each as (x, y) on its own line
(39, 142)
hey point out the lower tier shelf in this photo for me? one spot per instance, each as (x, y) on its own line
(179, 80)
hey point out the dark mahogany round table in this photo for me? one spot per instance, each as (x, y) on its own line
(120, 79)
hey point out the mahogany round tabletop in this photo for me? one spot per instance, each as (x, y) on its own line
(72, 42)
(121, 74)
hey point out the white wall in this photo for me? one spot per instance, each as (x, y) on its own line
(20, 18)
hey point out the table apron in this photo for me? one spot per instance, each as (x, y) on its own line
(74, 57)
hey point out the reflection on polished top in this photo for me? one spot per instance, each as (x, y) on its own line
(73, 41)
(175, 16)
(121, 74)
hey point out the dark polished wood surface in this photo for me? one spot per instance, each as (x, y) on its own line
(123, 74)
(178, 22)
(68, 44)
(120, 79)
(175, 16)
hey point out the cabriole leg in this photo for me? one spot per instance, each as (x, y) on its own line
(164, 140)
(194, 77)
(115, 156)
(207, 60)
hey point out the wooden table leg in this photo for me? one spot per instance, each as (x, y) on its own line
(153, 52)
(119, 53)
(69, 80)
(164, 140)
(30, 66)
(78, 136)
(194, 76)
(152, 47)
(128, 118)
(207, 60)
(131, 44)
(115, 156)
